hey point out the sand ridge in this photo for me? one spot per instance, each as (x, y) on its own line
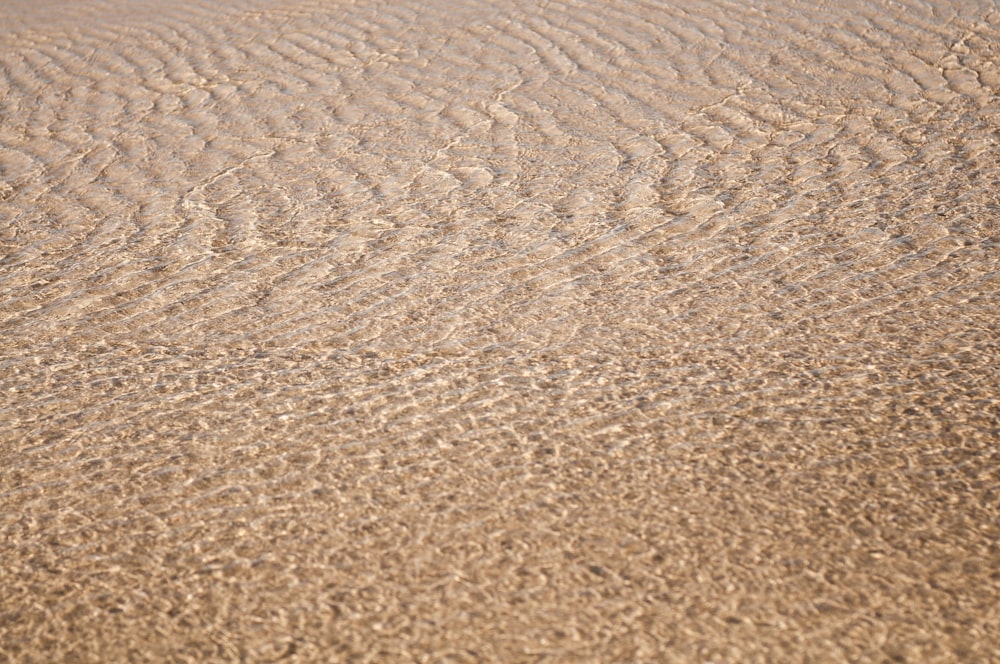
(466, 331)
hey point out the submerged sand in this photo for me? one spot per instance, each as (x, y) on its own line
(499, 331)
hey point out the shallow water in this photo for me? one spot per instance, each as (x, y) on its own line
(464, 331)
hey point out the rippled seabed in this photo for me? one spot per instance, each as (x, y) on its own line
(470, 331)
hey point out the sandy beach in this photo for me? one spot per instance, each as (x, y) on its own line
(515, 331)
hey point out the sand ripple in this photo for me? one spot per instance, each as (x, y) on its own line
(468, 331)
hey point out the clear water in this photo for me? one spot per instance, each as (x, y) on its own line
(499, 331)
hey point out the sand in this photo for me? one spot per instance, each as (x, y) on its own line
(446, 331)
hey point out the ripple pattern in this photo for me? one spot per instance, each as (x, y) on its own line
(511, 331)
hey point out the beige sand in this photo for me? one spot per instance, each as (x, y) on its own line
(499, 331)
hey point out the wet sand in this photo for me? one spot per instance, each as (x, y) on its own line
(459, 331)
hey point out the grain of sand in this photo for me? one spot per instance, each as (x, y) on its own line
(499, 331)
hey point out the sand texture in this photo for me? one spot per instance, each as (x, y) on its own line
(514, 331)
